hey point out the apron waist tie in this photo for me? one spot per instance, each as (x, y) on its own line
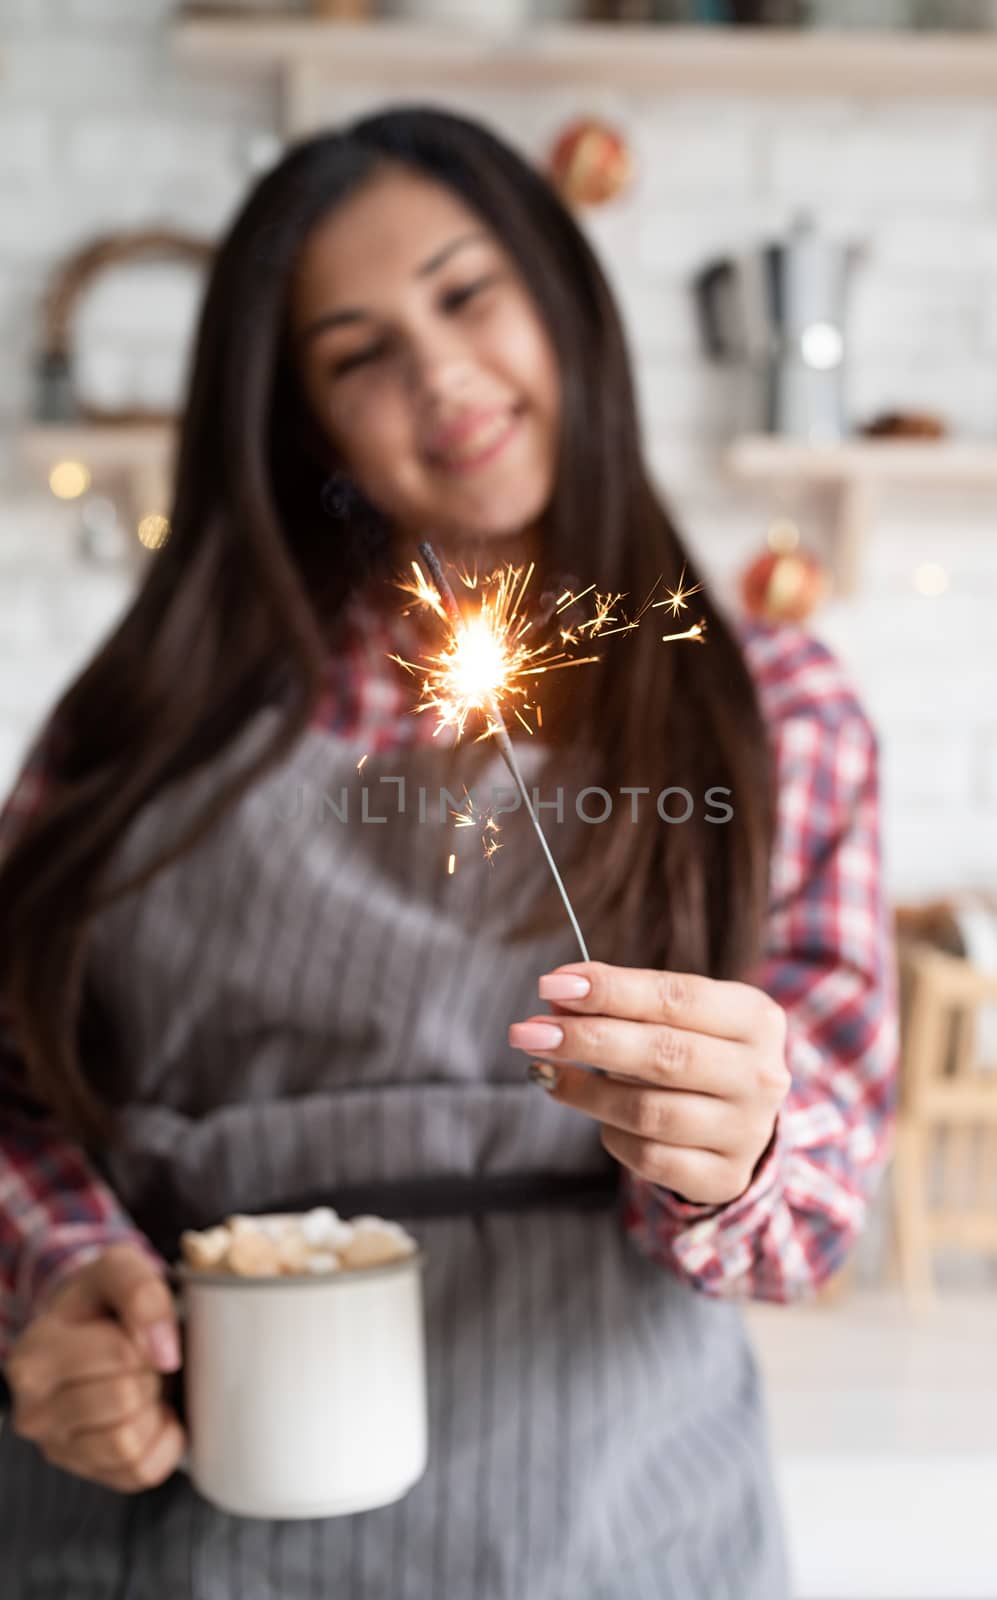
(421, 1199)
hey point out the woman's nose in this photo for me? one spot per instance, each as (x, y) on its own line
(440, 374)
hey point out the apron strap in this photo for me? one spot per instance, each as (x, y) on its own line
(421, 1199)
(425, 1199)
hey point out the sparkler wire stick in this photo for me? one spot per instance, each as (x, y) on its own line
(502, 739)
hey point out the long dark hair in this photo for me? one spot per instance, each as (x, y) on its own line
(240, 604)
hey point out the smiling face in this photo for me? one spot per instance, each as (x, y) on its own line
(426, 364)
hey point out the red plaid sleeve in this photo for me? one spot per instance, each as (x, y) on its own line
(56, 1214)
(829, 962)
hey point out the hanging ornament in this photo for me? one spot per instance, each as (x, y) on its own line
(590, 162)
(784, 583)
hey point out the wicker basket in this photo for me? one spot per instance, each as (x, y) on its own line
(75, 276)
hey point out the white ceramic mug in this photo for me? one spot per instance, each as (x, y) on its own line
(305, 1396)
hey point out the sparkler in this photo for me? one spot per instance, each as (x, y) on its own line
(490, 653)
(470, 648)
(488, 661)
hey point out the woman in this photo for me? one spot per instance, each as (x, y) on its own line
(221, 1001)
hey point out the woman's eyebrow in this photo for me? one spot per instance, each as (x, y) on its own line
(436, 261)
(336, 319)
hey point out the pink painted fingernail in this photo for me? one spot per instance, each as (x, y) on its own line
(163, 1346)
(563, 986)
(535, 1036)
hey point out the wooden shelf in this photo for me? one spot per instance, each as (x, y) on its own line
(956, 463)
(130, 463)
(106, 450)
(307, 54)
(850, 476)
(752, 457)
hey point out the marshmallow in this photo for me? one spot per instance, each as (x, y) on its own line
(279, 1224)
(284, 1243)
(324, 1228)
(293, 1252)
(237, 1223)
(322, 1261)
(373, 1247)
(253, 1255)
(204, 1250)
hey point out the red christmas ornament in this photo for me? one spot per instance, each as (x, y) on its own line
(783, 586)
(590, 163)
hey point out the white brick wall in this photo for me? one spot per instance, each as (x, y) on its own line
(903, 158)
(915, 182)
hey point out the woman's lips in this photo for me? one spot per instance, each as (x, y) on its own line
(478, 448)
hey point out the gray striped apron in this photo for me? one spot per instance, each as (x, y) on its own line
(310, 1005)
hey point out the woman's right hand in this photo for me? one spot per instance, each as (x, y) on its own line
(86, 1374)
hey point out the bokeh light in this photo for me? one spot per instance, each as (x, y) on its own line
(69, 479)
(930, 578)
(153, 530)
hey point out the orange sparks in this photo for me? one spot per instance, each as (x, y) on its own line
(697, 631)
(489, 662)
(677, 601)
(451, 865)
(360, 763)
(469, 816)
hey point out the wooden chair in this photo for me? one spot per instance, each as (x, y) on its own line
(944, 1176)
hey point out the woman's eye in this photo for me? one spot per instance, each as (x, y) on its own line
(359, 358)
(458, 297)
(451, 302)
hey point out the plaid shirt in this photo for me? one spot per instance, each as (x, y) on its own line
(828, 962)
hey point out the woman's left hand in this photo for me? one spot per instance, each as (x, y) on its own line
(695, 1070)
